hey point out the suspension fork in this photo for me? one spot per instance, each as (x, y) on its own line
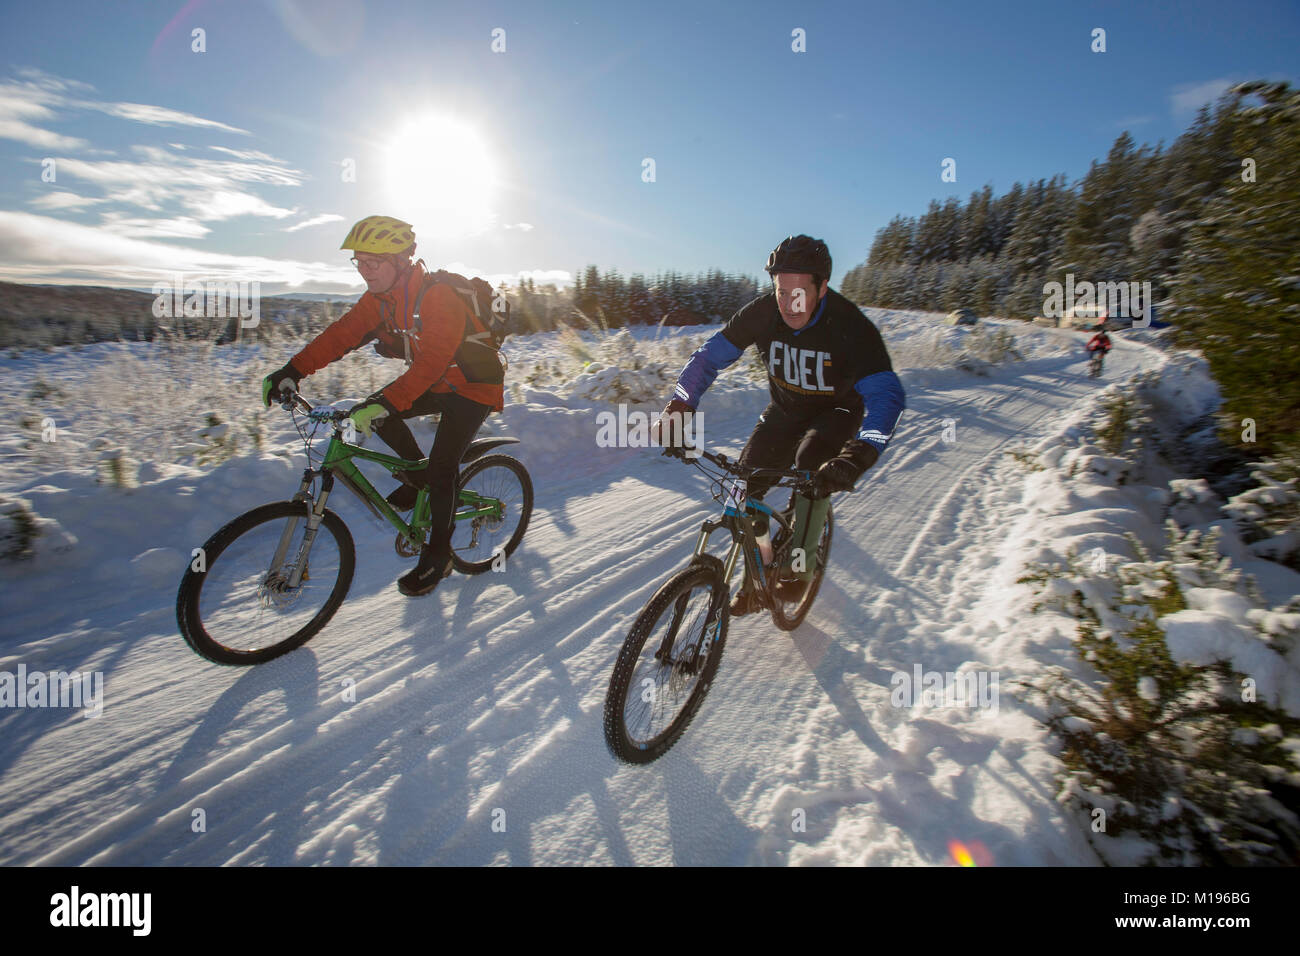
(733, 553)
(314, 514)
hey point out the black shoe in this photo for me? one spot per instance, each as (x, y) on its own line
(427, 575)
(745, 602)
(403, 497)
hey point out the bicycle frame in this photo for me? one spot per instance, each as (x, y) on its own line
(740, 525)
(338, 463)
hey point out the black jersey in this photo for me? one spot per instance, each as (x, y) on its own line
(837, 360)
(818, 366)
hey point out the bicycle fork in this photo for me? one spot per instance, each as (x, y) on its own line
(315, 515)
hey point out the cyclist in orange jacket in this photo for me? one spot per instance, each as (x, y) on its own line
(447, 373)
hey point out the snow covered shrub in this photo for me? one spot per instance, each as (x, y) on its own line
(1268, 515)
(994, 346)
(18, 530)
(221, 442)
(1169, 743)
(929, 348)
(43, 391)
(118, 469)
(1111, 434)
(619, 367)
(1029, 460)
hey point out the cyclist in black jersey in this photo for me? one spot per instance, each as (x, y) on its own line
(835, 399)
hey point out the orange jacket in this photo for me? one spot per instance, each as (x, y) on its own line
(443, 317)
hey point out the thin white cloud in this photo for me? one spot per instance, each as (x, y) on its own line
(20, 102)
(251, 154)
(317, 221)
(558, 277)
(63, 200)
(1189, 97)
(226, 204)
(35, 136)
(206, 189)
(40, 96)
(39, 79)
(38, 248)
(521, 226)
(157, 115)
(41, 249)
(179, 228)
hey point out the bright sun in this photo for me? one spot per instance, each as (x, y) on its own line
(441, 177)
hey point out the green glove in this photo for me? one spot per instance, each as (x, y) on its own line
(367, 412)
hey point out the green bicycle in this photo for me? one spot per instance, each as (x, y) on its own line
(268, 581)
(671, 654)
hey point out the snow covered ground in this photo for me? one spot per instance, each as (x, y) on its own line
(475, 734)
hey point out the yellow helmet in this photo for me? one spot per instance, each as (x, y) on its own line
(380, 234)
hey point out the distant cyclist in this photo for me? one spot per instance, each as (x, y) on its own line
(1099, 345)
(448, 372)
(835, 399)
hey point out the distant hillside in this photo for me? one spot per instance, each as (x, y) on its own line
(47, 315)
(316, 296)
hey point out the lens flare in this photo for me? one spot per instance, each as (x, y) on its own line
(973, 854)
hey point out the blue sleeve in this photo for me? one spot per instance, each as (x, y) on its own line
(883, 395)
(709, 359)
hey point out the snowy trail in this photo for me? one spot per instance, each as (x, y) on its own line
(481, 705)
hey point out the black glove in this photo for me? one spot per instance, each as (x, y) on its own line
(671, 432)
(385, 351)
(271, 384)
(843, 471)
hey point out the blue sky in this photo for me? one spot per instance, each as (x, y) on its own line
(231, 162)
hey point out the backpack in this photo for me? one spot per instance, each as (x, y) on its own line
(478, 356)
(491, 311)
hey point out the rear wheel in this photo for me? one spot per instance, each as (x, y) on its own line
(789, 614)
(667, 664)
(241, 606)
(477, 542)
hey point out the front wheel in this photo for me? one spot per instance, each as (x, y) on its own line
(667, 664)
(480, 540)
(243, 602)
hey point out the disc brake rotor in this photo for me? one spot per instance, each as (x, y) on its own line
(275, 592)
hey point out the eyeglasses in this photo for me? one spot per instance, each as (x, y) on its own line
(368, 263)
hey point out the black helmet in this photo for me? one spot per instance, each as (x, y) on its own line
(801, 254)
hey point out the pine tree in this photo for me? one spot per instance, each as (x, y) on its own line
(1237, 291)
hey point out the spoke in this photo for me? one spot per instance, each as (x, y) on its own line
(486, 533)
(245, 607)
(674, 680)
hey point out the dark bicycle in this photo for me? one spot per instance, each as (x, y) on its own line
(269, 580)
(1095, 364)
(672, 652)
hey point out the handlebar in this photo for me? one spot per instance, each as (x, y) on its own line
(328, 414)
(796, 477)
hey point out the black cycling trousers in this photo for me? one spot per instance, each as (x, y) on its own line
(781, 440)
(461, 420)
